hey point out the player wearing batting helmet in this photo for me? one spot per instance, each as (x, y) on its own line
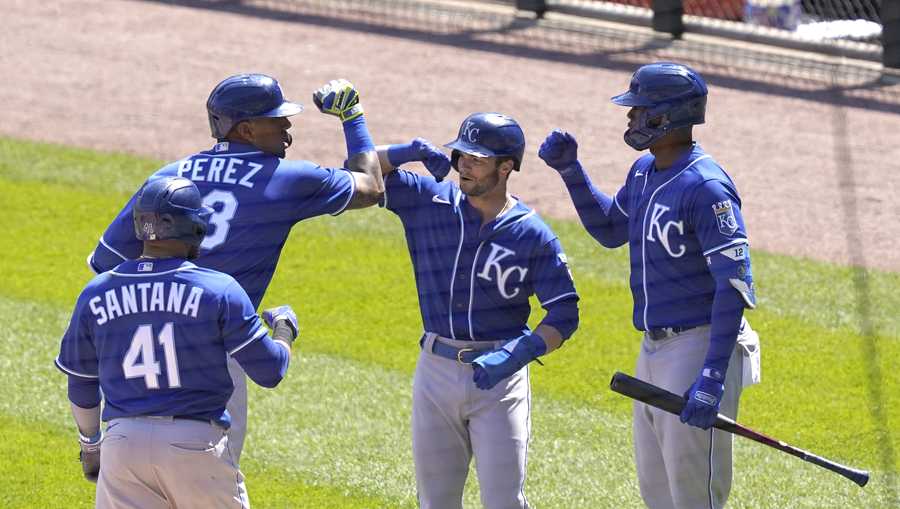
(478, 254)
(256, 195)
(151, 339)
(680, 214)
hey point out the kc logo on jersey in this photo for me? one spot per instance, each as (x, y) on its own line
(492, 264)
(662, 230)
(725, 217)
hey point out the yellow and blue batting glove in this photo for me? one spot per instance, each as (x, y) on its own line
(338, 98)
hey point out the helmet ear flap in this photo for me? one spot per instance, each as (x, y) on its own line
(454, 159)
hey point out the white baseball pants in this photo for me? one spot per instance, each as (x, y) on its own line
(452, 421)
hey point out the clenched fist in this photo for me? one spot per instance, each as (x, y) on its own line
(338, 98)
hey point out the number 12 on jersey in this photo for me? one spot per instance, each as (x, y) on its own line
(148, 367)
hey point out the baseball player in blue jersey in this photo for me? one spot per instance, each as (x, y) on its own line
(478, 254)
(256, 195)
(154, 335)
(681, 216)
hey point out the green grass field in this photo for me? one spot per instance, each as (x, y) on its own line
(335, 433)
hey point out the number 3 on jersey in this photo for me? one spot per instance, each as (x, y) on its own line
(225, 205)
(148, 368)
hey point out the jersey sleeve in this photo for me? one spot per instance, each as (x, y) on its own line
(716, 217)
(315, 191)
(405, 190)
(555, 288)
(720, 228)
(118, 243)
(239, 322)
(77, 353)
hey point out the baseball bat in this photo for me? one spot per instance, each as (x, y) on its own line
(660, 398)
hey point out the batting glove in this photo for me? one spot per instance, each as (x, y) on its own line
(703, 399)
(90, 455)
(497, 365)
(338, 98)
(559, 150)
(436, 161)
(274, 317)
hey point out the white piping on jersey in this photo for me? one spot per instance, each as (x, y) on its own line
(709, 463)
(644, 230)
(226, 154)
(472, 288)
(616, 201)
(727, 244)
(462, 233)
(283, 344)
(352, 192)
(384, 199)
(260, 333)
(71, 371)
(558, 297)
(90, 262)
(113, 251)
(526, 216)
(151, 274)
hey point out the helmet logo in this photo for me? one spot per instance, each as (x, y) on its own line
(470, 132)
(148, 230)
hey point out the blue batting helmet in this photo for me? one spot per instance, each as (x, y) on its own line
(489, 135)
(245, 96)
(672, 96)
(171, 208)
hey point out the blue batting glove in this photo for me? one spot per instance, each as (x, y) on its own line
(492, 367)
(274, 315)
(420, 149)
(703, 399)
(559, 150)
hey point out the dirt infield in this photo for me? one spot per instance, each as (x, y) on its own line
(818, 179)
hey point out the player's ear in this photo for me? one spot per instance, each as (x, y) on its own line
(243, 130)
(506, 166)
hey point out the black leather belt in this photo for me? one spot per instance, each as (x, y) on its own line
(660, 333)
(192, 418)
(462, 355)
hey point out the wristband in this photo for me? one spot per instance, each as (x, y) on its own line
(357, 136)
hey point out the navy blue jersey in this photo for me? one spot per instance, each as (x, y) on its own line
(257, 198)
(677, 220)
(156, 334)
(474, 282)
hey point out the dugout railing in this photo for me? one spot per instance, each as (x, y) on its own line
(859, 29)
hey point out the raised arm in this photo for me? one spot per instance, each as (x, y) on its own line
(393, 156)
(599, 214)
(341, 99)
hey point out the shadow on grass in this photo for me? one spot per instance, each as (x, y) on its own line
(863, 290)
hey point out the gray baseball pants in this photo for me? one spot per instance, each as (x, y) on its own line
(161, 462)
(452, 421)
(681, 466)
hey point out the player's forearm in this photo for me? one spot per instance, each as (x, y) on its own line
(727, 312)
(87, 420)
(595, 209)
(559, 324)
(552, 337)
(384, 160)
(265, 361)
(368, 179)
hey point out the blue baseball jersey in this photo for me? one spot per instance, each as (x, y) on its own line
(474, 282)
(257, 198)
(155, 334)
(684, 228)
